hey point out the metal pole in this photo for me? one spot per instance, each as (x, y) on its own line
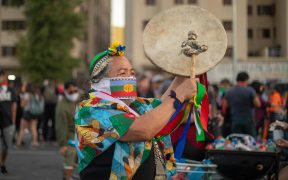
(235, 48)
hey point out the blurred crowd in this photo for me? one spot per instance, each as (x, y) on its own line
(265, 102)
(272, 106)
(244, 107)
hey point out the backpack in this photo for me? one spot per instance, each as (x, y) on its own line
(36, 106)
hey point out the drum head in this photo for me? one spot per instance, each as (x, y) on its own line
(166, 31)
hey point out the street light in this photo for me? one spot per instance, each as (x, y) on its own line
(11, 77)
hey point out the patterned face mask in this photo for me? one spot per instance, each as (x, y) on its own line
(119, 87)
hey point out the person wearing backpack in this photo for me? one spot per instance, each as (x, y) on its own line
(33, 107)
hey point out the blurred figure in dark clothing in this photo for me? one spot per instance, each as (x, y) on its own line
(165, 85)
(260, 113)
(241, 99)
(144, 87)
(51, 98)
(8, 108)
(20, 94)
(225, 117)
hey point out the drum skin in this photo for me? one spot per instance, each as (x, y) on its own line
(165, 32)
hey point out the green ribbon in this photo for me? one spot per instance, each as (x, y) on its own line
(201, 91)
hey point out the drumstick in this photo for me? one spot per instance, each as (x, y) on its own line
(193, 60)
(192, 76)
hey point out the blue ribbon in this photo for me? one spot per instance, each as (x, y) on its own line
(181, 144)
(176, 112)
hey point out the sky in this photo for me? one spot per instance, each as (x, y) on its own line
(118, 15)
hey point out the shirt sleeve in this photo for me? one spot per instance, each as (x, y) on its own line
(99, 128)
(61, 126)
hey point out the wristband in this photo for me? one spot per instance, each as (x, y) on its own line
(177, 102)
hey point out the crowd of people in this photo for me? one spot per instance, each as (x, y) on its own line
(248, 107)
(47, 112)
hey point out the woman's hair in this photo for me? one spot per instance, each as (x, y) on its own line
(256, 85)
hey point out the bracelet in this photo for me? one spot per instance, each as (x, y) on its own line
(177, 102)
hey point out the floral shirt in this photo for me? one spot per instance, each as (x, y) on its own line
(100, 123)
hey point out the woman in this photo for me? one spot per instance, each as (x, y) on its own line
(33, 106)
(260, 113)
(115, 129)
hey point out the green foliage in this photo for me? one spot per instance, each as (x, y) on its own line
(44, 52)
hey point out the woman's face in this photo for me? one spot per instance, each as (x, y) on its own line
(120, 67)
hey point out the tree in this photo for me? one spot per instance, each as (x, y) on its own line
(44, 52)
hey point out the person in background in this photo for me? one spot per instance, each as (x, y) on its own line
(8, 108)
(275, 110)
(215, 122)
(21, 89)
(51, 98)
(144, 87)
(224, 116)
(156, 83)
(33, 108)
(282, 143)
(165, 85)
(241, 99)
(260, 113)
(65, 129)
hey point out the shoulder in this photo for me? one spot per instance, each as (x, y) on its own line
(230, 91)
(251, 90)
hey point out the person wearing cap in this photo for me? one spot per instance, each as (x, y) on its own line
(8, 109)
(115, 129)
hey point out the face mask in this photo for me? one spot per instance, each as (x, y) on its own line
(72, 97)
(120, 87)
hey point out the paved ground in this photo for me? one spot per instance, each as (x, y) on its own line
(43, 163)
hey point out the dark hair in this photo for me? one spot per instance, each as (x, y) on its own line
(69, 83)
(225, 81)
(256, 85)
(242, 76)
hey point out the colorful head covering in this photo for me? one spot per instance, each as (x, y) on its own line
(101, 60)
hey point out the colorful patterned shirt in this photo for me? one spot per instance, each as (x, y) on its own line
(100, 123)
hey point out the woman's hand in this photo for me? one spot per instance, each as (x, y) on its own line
(187, 89)
(178, 80)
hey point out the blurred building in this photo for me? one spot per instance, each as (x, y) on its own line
(12, 27)
(97, 15)
(98, 26)
(96, 34)
(262, 34)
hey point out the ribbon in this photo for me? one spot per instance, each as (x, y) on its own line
(181, 144)
(200, 133)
